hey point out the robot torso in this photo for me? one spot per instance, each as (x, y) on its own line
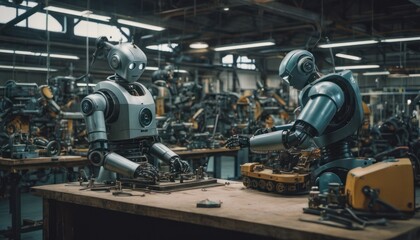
(130, 110)
(349, 118)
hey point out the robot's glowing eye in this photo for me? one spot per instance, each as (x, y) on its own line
(141, 66)
(132, 66)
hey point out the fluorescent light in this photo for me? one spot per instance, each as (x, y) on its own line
(199, 45)
(356, 67)
(140, 25)
(53, 55)
(376, 73)
(90, 15)
(63, 10)
(244, 45)
(38, 54)
(414, 75)
(27, 68)
(180, 71)
(84, 84)
(347, 56)
(151, 68)
(164, 47)
(86, 13)
(346, 44)
(390, 40)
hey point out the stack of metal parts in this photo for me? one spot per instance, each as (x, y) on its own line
(34, 121)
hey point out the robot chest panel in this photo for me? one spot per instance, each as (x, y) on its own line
(135, 119)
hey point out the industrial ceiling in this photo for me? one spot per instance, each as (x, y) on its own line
(297, 24)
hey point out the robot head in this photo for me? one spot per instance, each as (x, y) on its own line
(128, 61)
(297, 68)
(161, 75)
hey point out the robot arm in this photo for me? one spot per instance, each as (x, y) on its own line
(325, 100)
(176, 165)
(53, 106)
(94, 107)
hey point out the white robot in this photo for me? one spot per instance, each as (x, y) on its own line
(120, 120)
(331, 112)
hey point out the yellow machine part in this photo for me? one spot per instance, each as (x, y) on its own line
(248, 167)
(394, 181)
(46, 92)
(250, 170)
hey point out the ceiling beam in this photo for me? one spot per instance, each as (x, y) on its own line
(23, 16)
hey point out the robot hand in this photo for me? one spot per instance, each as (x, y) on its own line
(262, 131)
(237, 141)
(147, 171)
(179, 166)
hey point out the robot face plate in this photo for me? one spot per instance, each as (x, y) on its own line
(128, 61)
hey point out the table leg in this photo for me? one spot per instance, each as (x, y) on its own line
(15, 205)
(217, 165)
(241, 158)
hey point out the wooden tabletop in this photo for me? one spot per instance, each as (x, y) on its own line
(243, 210)
(41, 162)
(204, 152)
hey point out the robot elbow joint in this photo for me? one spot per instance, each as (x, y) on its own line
(96, 158)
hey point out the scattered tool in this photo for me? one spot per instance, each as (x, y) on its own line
(209, 204)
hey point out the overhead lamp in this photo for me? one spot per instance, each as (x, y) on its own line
(27, 68)
(86, 13)
(352, 67)
(244, 45)
(347, 44)
(347, 56)
(376, 73)
(140, 25)
(180, 71)
(407, 39)
(199, 45)
(414, 75)
(38, 54)
(164, 47)
(151, 68)
(86, 84)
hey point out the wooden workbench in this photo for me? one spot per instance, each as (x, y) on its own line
(70, 213)
(14, 165)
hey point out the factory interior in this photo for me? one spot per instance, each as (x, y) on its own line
(220, 119)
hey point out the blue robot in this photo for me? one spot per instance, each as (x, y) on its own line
(331, 112)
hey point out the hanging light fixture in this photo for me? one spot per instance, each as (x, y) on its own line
(199, 45)
(236, 46)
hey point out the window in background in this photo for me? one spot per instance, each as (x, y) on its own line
(243, 62)
(36, 21)
(94, 30)
(227, 61)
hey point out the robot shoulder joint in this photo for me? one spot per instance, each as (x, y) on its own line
(330, 90)
(92, 103)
